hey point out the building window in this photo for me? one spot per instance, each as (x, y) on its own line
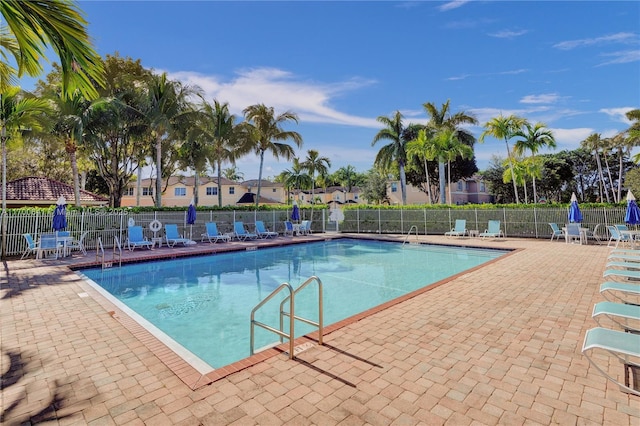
(129, 192)
(232, 190)
(482, 188)
(180, 192)
(212, 190)
(147, 192)
(273, 190)
(459, 185)
(394, 187)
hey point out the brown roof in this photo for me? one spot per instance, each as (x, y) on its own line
(42, 191)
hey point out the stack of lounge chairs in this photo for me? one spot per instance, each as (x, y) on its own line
(621, 313)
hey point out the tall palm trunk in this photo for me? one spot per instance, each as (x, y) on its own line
(443, 195)
(219, 183)
(449, 180)
(260, 178)
(403, 184)
(535, 194)
(158, 171)
(426, 171)
(138, 185)
(613, 190)
(603, 188)
(513, 176)
(70, 147)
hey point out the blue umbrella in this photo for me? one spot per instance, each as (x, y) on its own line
(575, 216)
(191, 217)
(632, 216)
(295, 214)
(59, 215)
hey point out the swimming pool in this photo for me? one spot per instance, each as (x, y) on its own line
(204, 303)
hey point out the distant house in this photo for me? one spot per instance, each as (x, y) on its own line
(471, 190)
(331, 194)
(179, 192)
(35, 191)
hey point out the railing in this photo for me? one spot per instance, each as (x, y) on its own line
(280, 333)
(516, 222)
(319, 323)
(413, 228)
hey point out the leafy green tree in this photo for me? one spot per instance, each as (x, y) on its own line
(423, 147)
(595, 144)
(394, 152)
(632, 181)
(442, 119)
(502, 127)
(265, 133)
(232, 173)
(314, 163)
(448, 147)
(374, 188)
(31, 26)
(532, 139)
(296, 177)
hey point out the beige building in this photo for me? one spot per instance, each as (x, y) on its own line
(179, 192)
(472, 190)
(331, 194)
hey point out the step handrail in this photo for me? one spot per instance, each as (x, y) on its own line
(319, 323)
(280, 333)
(409, 234)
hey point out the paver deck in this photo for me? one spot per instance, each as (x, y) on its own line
(498, 345)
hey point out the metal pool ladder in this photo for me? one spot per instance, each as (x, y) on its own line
(406, 239)
(117, 253)
(291, 314)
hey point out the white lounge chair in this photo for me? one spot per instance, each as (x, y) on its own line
(459, 230)
(624, 346)
(263, 232)
(493, 230)
(626, 316)
(213, 235)
(172, 237)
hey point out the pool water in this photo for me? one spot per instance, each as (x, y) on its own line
(204, 303)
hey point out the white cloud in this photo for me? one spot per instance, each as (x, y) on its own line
(452, 5)
(607, 39)
(283, 91)
(547, 98)
(621, 57)
(508, 34)
(570, 139)
(618, 114)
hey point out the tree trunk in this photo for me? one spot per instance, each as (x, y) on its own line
(219, 183)
(260, 178)
(513, 176)
(443, 196)
(138, 185)
(71, 150)
(426, 172)
(403, 184)
(158, 171)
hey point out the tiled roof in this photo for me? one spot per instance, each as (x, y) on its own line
(32, 190)
(250, 198)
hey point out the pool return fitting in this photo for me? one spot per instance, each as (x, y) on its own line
(291, 314)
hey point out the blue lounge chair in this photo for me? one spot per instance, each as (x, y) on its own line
(263, 232)
(459, 230)
(622, 273)
(137, 239)
(305, 227)
(625, 265)
(288, 228)
(241, 233)
(493, 230)
(556, 232)
(213, 235)
(613, 288)
(172, 237)
(624, 346)
(626, 316)
(616, 236)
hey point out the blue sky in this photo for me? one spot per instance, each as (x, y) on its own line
(573, 65)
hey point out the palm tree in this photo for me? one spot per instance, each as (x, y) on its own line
(31, 26)
(265, 133)
(19, 112)
(222, 133)
(502, 127)
(448, 148)
(443, 119)
(423, 148)
(167, 101)
(394, 151)
(346, 176)
(232, 173)
(594, 143)
(533, 139)
(314, 163)
(634, 131)
(296, 177)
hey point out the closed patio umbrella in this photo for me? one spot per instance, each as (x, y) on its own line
(295, 214)
(191, 217)
(575, 216)
(632, 215)
(59, 215)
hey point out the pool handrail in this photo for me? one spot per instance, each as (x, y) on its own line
(268, 327)
(320, 322)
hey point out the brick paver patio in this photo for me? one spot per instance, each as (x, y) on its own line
(497, 345)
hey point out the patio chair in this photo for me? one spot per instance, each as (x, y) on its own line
(78, 244)
(459, 230)
(572, 233)
(624, 265)
(625, 316)
(48, 244)
(172, 237)
(241, 233)
(213, 235)
(622, 273)
(137, 239)
(493, 230)
(32, 246)
(263, 232)
(616, 236)
(556, 232)
(288, 228)
(305, 227)
(612, 290)
(624, 346)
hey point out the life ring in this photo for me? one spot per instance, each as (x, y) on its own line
(155, 225)
(131, 222)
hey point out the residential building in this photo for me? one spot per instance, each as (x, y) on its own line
(32, 191)
(331, 194)
(471, 190)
